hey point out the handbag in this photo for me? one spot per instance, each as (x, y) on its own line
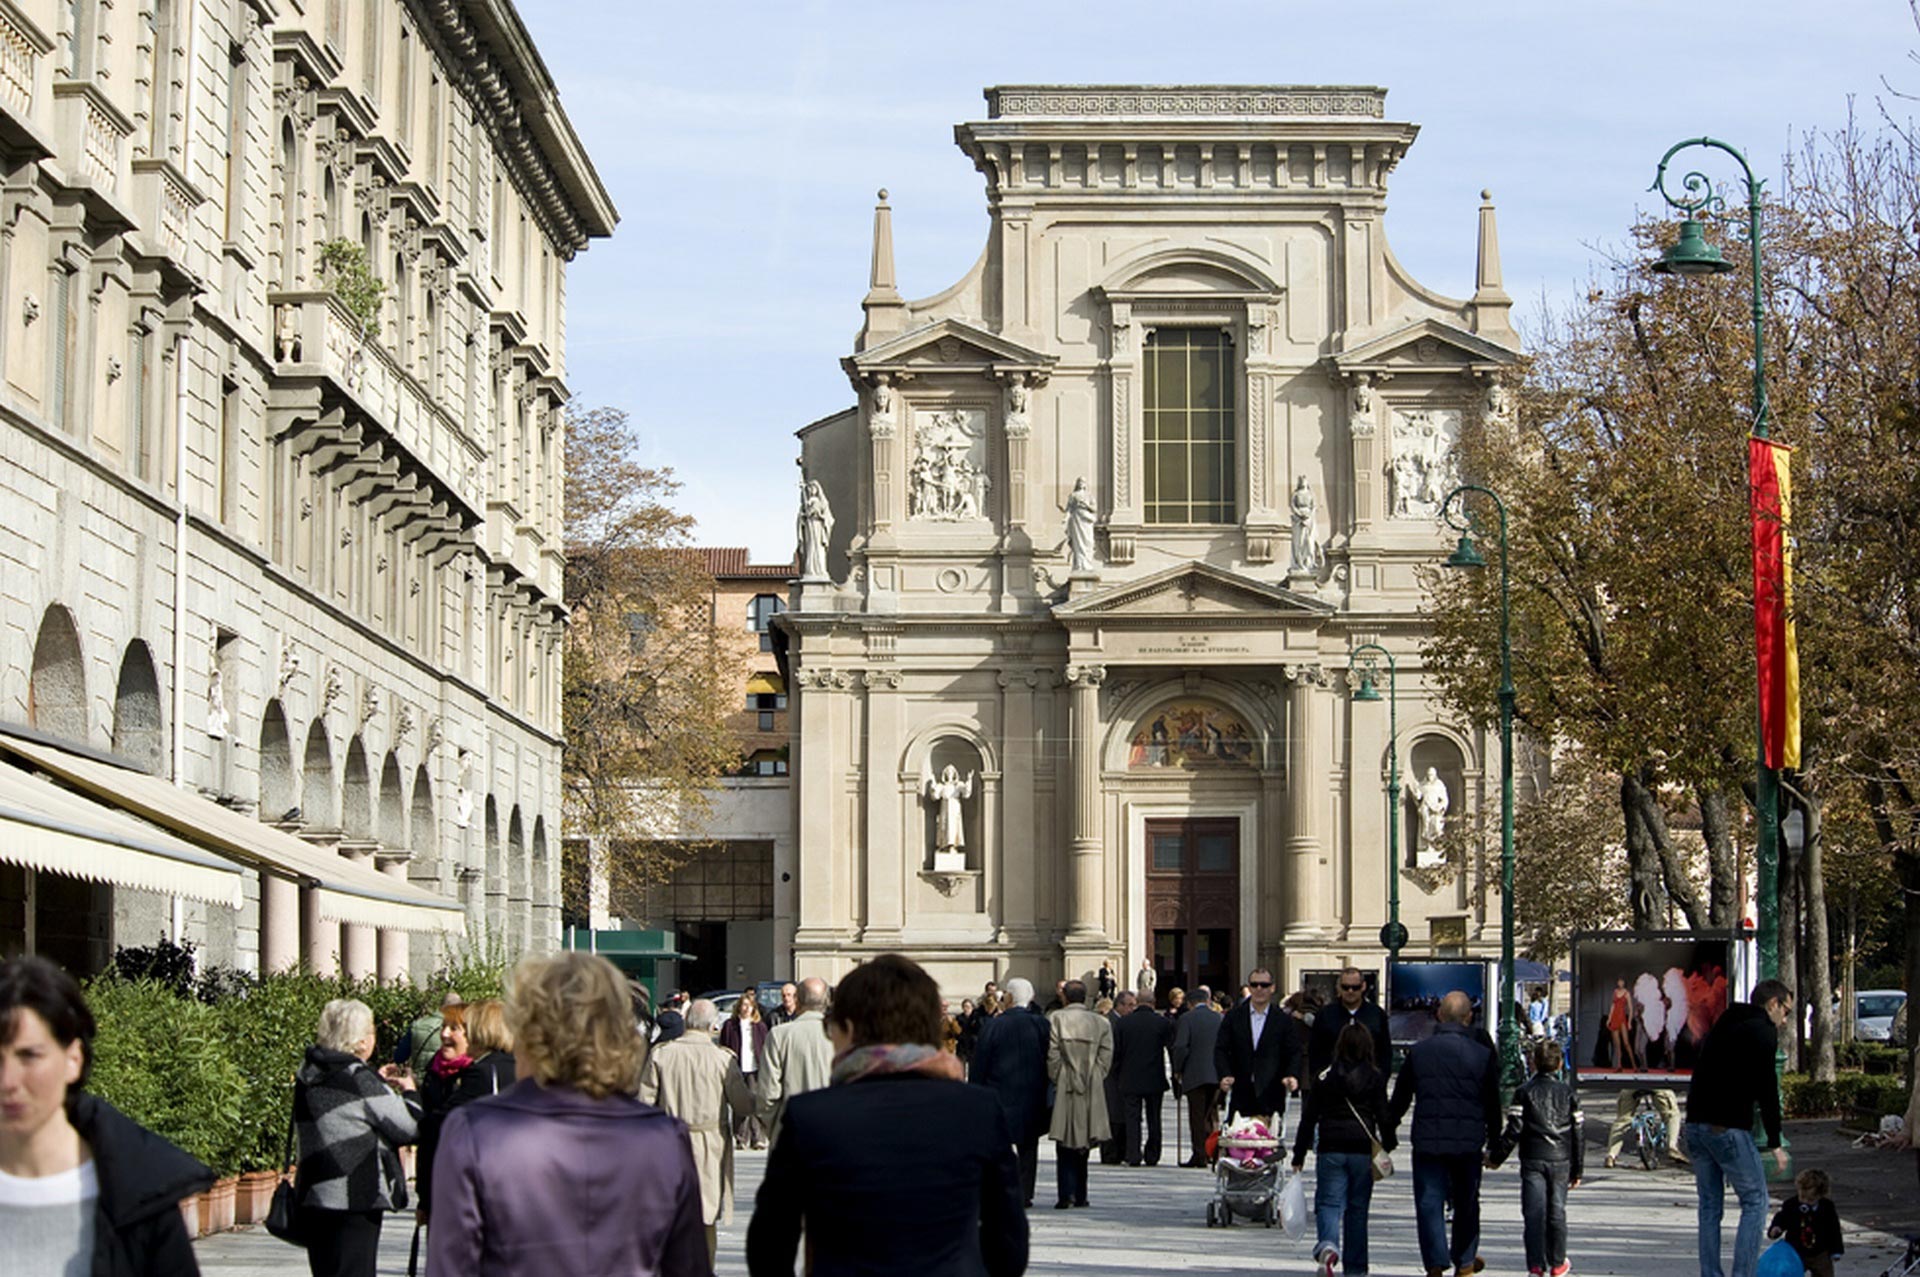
(283, 1212)
(1380, 1160)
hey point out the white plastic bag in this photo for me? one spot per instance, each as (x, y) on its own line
(1293, 1207)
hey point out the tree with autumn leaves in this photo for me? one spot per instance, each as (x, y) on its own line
(1624, 474)
(649, 676)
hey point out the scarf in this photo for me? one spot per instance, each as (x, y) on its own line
(883, 1059)
(445, 1065)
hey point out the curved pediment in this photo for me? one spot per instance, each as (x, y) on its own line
(1189, 270)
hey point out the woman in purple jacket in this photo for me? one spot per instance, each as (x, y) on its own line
(524, 1179)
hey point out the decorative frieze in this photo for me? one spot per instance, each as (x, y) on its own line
(1332, 102)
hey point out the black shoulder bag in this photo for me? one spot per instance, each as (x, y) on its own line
(283, 1213)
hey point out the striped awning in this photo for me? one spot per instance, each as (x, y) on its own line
(345, 890)
(53, 830)
(766, 684)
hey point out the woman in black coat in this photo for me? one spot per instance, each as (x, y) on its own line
(896, 1165)
(477, 1061)
(1346, 1109)
(745, 1034)
(80, 1148)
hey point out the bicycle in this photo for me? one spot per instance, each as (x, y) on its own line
(1647, 1131)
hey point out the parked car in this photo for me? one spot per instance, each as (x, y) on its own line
(1873, 1012)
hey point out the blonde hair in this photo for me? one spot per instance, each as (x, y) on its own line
(487, 1027)
(572, 1024)
(344, 1024)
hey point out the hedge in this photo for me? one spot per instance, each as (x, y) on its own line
(208, 1060)
(1804, 1097)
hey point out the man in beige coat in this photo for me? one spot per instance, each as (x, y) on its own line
(799, 1057)
(1079, 1054)
(697, 1080)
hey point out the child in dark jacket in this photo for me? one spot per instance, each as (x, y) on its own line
(1810, 1223)
(1544, 1122)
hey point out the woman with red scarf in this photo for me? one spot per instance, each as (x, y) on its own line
(437, 1092)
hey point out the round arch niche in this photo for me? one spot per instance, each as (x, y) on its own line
(57, 688)
(278, 793)
(316, 779)
(356, 793)
(139, 736)
(963, 757)
(1443, 757)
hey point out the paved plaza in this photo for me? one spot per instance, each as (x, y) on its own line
(1625, 1223)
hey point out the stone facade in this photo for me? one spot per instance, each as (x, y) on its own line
(1187, 300)
(302, 558)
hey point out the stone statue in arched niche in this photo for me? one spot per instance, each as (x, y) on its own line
(951, 796)
(1435, 796)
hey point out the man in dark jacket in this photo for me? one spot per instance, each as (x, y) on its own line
(1257, 1054)
(1731, 1078)
(1113, 1149)
(1350, 1007)
(1011, 1061)
(1456, 1080)
(1194, 1037)
(1140, 1043)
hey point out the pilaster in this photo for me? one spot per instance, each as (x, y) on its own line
(1020, 841)
(1304, 852)
(1086, 910)
(886, 848)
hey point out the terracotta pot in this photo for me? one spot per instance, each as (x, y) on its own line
(190, 1213)
(220, 1204)
(252, 1197)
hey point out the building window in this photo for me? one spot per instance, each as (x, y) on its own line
(1187, 433)
(766, 762)
(766, 720)
(760, 614)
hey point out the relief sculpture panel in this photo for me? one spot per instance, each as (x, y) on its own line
(948, 475)
(1421, 468)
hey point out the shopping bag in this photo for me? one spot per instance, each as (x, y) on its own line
(1780, 1260)
(1293, 1207)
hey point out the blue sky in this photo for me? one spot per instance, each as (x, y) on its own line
(743, 143)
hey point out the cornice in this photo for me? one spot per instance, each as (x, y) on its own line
(1186, 100)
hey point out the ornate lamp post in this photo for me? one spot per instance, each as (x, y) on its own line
(1467, 555)
(1393, 936)
(1691, 254)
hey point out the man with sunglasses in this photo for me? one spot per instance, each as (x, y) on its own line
(1351, 1007)
(1258, 1054)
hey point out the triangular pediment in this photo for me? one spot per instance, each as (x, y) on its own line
(1193, 589)
(1426, 345)
(948, 345)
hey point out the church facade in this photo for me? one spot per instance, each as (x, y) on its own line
(1102, 535)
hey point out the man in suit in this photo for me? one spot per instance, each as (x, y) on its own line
(1113, 1148)
(1350, 1006)
(1010, 1059)
(1194, 1038)
(1258, 1053)
(1456, 1079)
(1140, 1043)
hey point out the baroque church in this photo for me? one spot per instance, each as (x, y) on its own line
(1084, 571)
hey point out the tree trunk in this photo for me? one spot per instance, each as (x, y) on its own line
(1675, 886)
(1907, 865)
(1723, 861)
(1790, 948)
(1649, 895)
(1819, 957)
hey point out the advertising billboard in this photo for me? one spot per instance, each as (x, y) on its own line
(1643, 1001)
(1416, 985)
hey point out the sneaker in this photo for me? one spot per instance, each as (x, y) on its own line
(1329, 1262)
(1562, 1268)
(1536, 1272)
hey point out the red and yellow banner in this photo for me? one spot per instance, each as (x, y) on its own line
(1770, 477)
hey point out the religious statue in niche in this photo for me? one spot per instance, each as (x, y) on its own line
(1431, 800)
(813, 526)
(948, 475)
(1421, 471)
(1080, 519)
(1307, 556)
(946, 793)
(463, 791)
(1191, 735)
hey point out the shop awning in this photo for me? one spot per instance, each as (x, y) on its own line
(347, 892)
(765, 685)
(47, 828)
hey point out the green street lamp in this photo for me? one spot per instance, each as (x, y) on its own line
(1692, 255)
(1393, 936)
(1467, 556)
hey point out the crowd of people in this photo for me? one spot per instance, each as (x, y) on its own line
(571, 1119)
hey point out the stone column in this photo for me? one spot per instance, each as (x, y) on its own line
(279, 923)
(390, 961)
(1017, 888)
(1086, 912)
(358, 948)
(319, 939)
(1304, 855)
(888, 849)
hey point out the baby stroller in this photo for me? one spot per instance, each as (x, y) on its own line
(1246, 1175)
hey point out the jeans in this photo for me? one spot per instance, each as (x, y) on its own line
(1070, 1173)
(1724, 1156)
(1543, 1212)
(1134, 1151)
(1440, 1179)
(1342, 1192)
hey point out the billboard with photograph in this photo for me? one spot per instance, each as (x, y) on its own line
(1416, 985)
(1643, 1001)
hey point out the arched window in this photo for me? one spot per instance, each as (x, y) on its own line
(286, 215)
